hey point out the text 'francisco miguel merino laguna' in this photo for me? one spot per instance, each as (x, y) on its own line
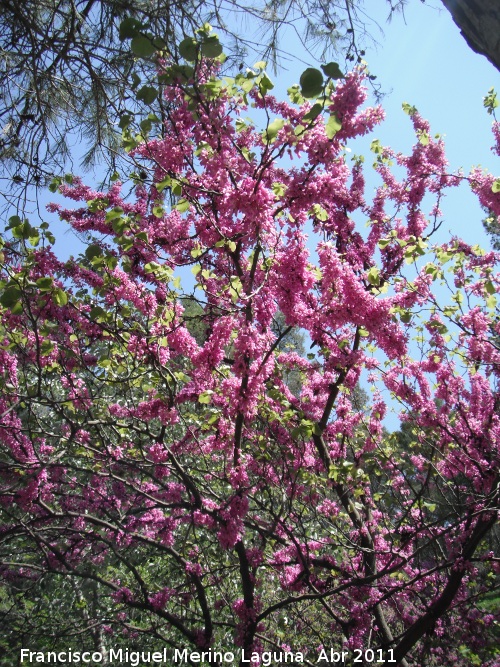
(136, 658)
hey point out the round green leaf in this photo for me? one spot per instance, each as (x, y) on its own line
(311, 82)
(147, 94)
(92, 251)
(273, 129)
(205, 397)
(46, 347)
(60, 297)
(11, 296)
(145, 126)
(182, 205)
(125, 121)
(211, 48)
(142, 46)
(129, 28)
(188, 49)
(44, 284)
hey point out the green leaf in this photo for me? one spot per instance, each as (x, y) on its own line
(332, 126)
(182, 205)
(205, 397)
(491, 301)
(147, 94)
(46, 348)
(319, 212)
(247, 154)
(438, 326)
(423, 138)
(11, 296)
(265, 83)
(294, 94)
(278, 189)
(129, 141)
(409, 109)
(136, 80)
(110, 262)
(23, 231)
(166, 183)
(211, 48)
(54, 184)
(14, 221)
(44, 284)
(311, 82)
(176, 72)
(34, 238)
(145, 126)
(97, 313)
(119, 225)
(142, 46)
(92, 251)
(273, 128)
(332, 70)
(60, 297)
(196, 252)
(98, 204)
(314, 112)
(247, 83)
(129, 28)
(158, 211)
(125, 121)
(490, 287)
(188, 49)
(496, 186)
(373, 276)
(205, 30)
(114, 214)
(490, 101)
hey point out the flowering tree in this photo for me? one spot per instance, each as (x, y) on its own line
(173, 484)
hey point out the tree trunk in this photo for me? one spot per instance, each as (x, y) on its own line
(479, 23)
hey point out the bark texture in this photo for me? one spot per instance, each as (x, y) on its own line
(479, 23)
